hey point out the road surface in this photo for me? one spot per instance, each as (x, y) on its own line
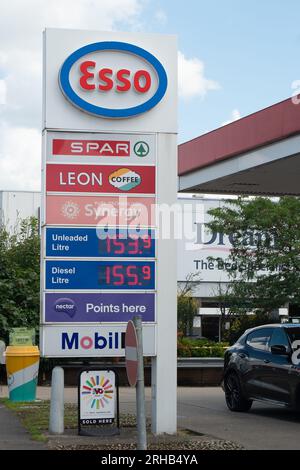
(203, 409)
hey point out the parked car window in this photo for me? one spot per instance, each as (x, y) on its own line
(279, 338)
(260, 338)
(293, 333)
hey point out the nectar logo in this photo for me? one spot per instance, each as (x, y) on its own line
(65, 305)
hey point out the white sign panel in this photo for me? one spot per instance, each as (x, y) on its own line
(97, 397)
(111, 75)
(110, 96)
(198, 244)
(91, 340)
(100, 148)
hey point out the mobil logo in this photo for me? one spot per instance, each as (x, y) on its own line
(113, 79)
(125, 179)
(77, 341)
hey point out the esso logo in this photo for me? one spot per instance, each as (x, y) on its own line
(113, 79)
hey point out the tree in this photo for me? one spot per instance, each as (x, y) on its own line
(264, 264)
(186, 305)
(19, 277)
(222, 295)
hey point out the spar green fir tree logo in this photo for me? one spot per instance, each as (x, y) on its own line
(141, 149)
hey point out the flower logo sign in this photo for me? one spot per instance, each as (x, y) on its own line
(98, 401)
(98, 391)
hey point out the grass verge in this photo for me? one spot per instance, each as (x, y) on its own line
(34, 416)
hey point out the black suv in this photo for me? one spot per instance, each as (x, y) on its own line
(262, 365)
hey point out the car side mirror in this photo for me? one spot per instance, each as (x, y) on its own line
(279, 349)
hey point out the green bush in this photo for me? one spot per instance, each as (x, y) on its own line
(19, 277)
(187, 347)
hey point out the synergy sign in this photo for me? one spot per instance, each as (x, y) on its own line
(97, 88)
(106, 210)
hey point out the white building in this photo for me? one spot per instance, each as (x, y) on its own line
(18, 205)
(194, 252)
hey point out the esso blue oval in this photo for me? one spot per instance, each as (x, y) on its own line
(100, 81)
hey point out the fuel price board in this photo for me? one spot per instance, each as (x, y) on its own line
(99, 242)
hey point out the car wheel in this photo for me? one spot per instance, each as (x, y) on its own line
(234, 395)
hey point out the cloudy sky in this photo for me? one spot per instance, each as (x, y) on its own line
(234, 57)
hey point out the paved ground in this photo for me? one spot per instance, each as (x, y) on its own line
(12, 435)
(264, 427)
(203, 410)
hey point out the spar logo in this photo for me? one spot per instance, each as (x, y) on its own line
(124, 179)
(113, 79)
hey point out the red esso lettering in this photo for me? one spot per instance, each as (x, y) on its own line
(107, 80)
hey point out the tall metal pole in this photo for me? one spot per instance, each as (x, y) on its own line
(140, 388)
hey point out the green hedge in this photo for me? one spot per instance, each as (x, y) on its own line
(187, 347)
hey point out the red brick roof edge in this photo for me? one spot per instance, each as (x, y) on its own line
(263, 127)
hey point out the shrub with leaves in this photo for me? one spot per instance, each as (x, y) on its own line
(19, 277)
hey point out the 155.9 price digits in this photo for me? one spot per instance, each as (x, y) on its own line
(134, 275)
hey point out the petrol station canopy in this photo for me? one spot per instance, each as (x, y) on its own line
(258, 154)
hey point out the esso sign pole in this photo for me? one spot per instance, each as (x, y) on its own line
(109, 147)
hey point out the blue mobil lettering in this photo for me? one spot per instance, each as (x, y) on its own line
(114, 340)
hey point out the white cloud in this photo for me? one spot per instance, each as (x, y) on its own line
(161, 16)
(235, 115)
(191, 79)
(2, 92)
(20, 158)
(21, 29)
(21, 26)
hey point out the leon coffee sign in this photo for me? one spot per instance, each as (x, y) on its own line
(100, 179)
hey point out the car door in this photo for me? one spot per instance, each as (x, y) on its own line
(278, 374)
(258, 359)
